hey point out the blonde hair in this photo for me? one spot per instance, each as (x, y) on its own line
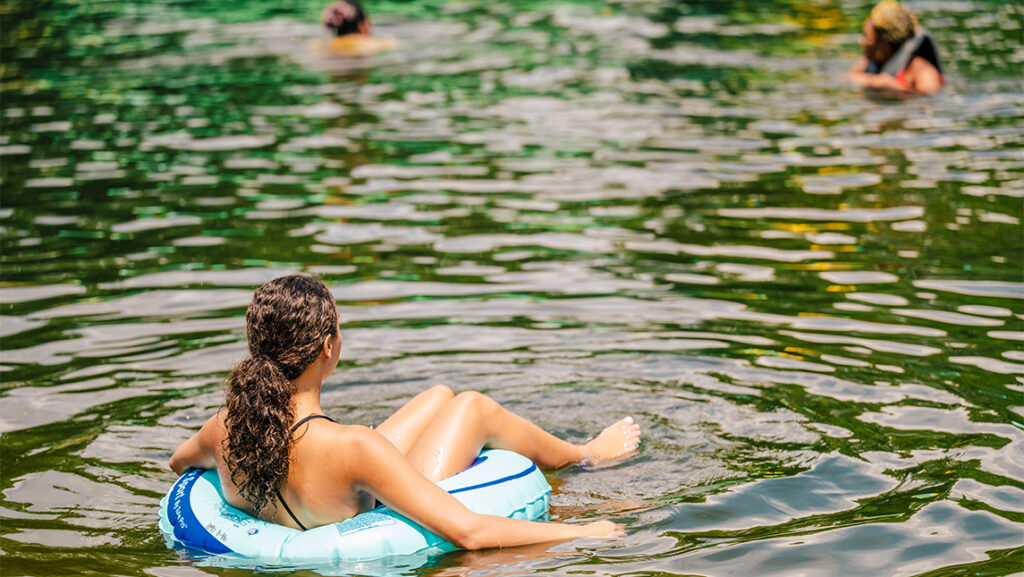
(893, 22)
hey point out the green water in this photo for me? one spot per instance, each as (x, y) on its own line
(810, 298)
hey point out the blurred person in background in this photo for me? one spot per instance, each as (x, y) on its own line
(899, 54)
(351, 28)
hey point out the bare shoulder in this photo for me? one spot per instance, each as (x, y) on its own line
(335, 439)
(366, 440)
(324, 430)
(919, 65)
(211, 436)
(355, 450)
(923, 76)
(216, 426)
(359, 45)
(219, 419)
(203, 449)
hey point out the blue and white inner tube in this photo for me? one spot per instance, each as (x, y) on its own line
(194, 516)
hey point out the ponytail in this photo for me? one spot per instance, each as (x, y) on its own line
(286, 325)
(259, 419)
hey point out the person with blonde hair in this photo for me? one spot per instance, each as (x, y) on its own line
(899, 54)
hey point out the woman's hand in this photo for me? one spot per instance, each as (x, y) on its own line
(604, 529)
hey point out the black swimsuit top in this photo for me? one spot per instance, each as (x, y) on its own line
(278, 491)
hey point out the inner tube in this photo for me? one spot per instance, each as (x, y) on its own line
(195, 517)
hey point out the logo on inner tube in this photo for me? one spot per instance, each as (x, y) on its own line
(233, 516)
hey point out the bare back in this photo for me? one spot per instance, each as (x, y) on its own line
(317, 489)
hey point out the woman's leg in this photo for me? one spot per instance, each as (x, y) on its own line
(472, 421)
(405, 426)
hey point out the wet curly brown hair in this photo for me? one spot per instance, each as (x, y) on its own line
(286, 325)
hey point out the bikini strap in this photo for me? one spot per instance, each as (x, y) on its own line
(303, 420)
(289, 509)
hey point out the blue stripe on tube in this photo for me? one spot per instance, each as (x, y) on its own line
(187, 527)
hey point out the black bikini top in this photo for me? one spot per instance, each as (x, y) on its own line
(277, 491)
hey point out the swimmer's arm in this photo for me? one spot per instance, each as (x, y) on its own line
(199, 451)
(859, 66)
(880, 81)
(385, 473)
(858, 75)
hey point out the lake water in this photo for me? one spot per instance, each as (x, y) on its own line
(810, 298)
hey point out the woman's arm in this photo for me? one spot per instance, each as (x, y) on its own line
(858, 75)
(880, 81)
(921, 78)
(859, 66)
(200, 450)
(385, 473)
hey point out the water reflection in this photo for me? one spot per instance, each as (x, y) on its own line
(811, 299)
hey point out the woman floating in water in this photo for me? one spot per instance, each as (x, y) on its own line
(282, 460)
(351, 28)
(898, 53)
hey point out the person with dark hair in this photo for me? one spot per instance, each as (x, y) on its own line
(346, 17)
(351, 27)
(899, 54)
(281, 459)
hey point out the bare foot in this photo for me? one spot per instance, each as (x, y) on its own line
(618, 441)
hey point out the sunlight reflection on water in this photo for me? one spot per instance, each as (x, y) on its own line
(810, 298)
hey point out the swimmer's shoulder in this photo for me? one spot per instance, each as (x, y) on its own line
(216, 423)
(358, 45)
(345, 443)
(923, 77)
(333, 433)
